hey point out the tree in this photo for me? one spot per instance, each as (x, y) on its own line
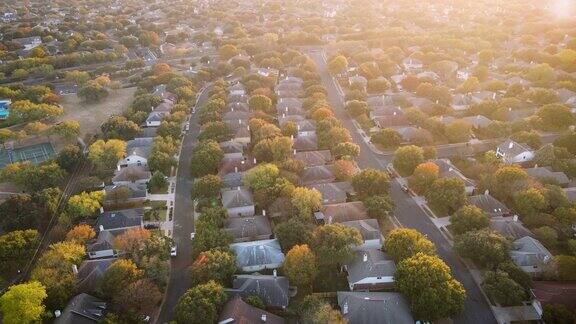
(218, 131)
(558, 314)
(137, 299)
(555, 117)
(468, 218)
(459, 131)
(18, 213)
(16, 249)
(338, 64)
(427, 282)
(157, 181)
(407, 158)
(119, 127)
(469, 85)
(387, 137)
(306, 201)
(92, 92)
(293, 232)
(213, 265)
(547, 235)
(314, 310)
(206, 157)
(446, 195)
(105, 154)
(403, 243)
(565, 267)
(332, 244)
(508, 180)
(200, 304)
(346, 149)
(300, 267)
(530, 201)
(209, 237)
(344, 170)
(371, 182)
(69, 157)
(132, 241)
(261, 177)
(120, 274)
(81, 234)
(207, 186)
(516, 273)
(541, 74)
(260, 103)
(161, 68)
(85, 204)
(379, 207)
(502, 289)
(485, 248)
(227, 52)
(356, 108)
(23, 303)
(423, 177)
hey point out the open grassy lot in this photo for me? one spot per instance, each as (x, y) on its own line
(91, 116)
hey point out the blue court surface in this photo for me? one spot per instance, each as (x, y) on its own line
(35, 154)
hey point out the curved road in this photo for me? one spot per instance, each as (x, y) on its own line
(476, 308)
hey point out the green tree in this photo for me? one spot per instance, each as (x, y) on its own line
(106, 154)
(530, 201)
(485, 248)
(547, 235)
(23, 303)
(293, 232)
(387, 138)
(218, 131)
(407, 158)
(228, 51)
(565, 267)
(119, 127)
(403, 243)
(300, 267)
(446, 195)
(306, 201)
(502, 289)
(69, 157)
(260, 103)
(207, 186)
(92, 92)
(206, 157)
(200, 304)
(67, 129)
(346, 149)
(427, 282)
(459, 131)
(157, 181)
(338, 64)
(555, 117)
(216, 265)
(332, 244)
(371, 182)
(558, 314)
(84, 204)
(120, 274)
(209, 237)
(423, 177)
(16, 249)
(379, 207)
(468, 218)
(508, 180)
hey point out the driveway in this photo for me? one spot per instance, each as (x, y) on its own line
(179, 280)
(408, 212)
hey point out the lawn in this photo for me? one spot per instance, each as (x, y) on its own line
(157, 212)
(91, 116)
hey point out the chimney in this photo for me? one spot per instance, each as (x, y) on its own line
(292, 137)
(263, 212)
(255, 161)
(263, 318)
(345, 308)
(515, 218)
(101, 210)
(235, 169)
(365, 257)
(487, 192)
(275, 273)
(294, 151)
(101, 228)
(57, 313)
(511, 145)
(75, 269)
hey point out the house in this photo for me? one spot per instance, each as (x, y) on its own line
(344, 212)
(137, 152)
(238, 311)
(232, 180)
(554, 293)
(258, 255)
(381, 111)
(314, 158)
(333, 192)
(103, 247)
(237, 90)
(374, 308)
(478, 121)
(358, 79)
(273, 290)
(238, 202)
(90, 273)
(511, 152)
(5, 109)
(530, 255)
(570, 194)
(82, 309)
(412, 65)
(235, 162)
(244, 229)
(370, 270)
(129, 192)
(232, 98)
(391, 121)
(509, 227)
(155, 118)
(286, 104)
(544, 174)
(119, 219)
(28, 43)
(490, 205)
(447, 170)
(305, 143)
(317, 174)
(370, 231)
(232, 147)
(132, 174)
(160, 91)
(306, 127)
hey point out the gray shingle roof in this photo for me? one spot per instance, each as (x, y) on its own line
(248, 228)
(374, 308)
(368, 228)
(508, 227)
(140, 146)
(239, 197)
(370, 263)
(83, 309)
(542, 173)
(312, 158)
(132, 173)
(490, 205)
(528, 252)
(333, 191)
(338, 213)
(242, 313)
(274, 291)
(90, 274)
(120, 219)
(265, 254)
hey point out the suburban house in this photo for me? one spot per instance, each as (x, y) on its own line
(544, 174)
(511, 152)
(238, 202)
(29, 43)
(548, 293)
(129, 192)
(273, 290)
(5, 109)
(237, 89)
(317, 174)
(490, 205)
(334, 192)
(103, 247)
(370, 270)
(258, 255)
(235, 162)
(238, 311)
(232, 180)
(447, 170)
(132, 174)
(531, 256)
(244, 229)
(82, 309)
(374, 308)
(137, 152)
(305, 143)
(119, 219)
(90, 273)
(370, 231)
(155, 118)
(344, 212)
(478, 121)
(509, 227)
(232, 147)
(314, 158)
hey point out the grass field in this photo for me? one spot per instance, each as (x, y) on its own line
(91, 116)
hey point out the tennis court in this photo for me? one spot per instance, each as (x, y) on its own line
(35, 154)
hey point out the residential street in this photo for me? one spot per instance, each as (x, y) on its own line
(183, 221)
(407, 211)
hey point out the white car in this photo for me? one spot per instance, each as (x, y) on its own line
(187, 127)
(173, 250)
